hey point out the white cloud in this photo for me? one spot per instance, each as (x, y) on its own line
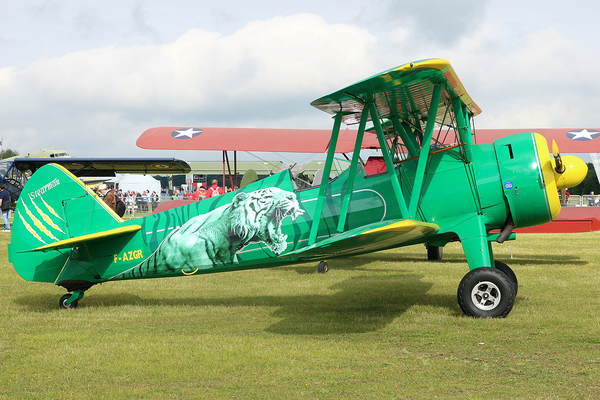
(201, 78)
(203, 69)
(542, 80)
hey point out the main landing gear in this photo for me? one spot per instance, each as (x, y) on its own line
(488, 292)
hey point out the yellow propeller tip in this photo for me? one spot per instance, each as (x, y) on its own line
(555, 151)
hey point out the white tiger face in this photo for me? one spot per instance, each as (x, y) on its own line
(262, 212)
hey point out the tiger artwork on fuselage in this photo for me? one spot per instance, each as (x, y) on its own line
(213, 239)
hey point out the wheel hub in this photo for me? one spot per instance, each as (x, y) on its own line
(486, 296)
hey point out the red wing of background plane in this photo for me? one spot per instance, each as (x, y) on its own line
(317, 140)
(249, 139)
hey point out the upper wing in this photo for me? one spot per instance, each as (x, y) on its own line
(372, 237)
(403, 92)
(108, 166)
(247, 139)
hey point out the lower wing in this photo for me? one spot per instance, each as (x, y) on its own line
(368, 238)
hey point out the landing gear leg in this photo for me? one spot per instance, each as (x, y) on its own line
(70, 300)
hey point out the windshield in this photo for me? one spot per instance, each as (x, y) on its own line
(4, 167)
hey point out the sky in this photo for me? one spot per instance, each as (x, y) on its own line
(90, 77)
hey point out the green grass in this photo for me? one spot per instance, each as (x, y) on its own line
(383, 326)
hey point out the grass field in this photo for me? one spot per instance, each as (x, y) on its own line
(383, 326)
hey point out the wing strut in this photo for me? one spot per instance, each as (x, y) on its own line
(389, 163)
(314, 228)
(352, 171)
(464, 129)
(409, 141)
(422, 163)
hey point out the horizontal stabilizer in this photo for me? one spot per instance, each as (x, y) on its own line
(372, 237)
(76, 241)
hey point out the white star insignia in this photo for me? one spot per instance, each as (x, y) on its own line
(188, 133)
(583, 134)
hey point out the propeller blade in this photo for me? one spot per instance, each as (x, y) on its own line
(560, 167)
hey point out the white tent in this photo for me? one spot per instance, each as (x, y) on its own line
(136, 183)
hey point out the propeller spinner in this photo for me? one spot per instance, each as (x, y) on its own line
(569, 170)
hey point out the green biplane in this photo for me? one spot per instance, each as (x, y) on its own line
(425, 192)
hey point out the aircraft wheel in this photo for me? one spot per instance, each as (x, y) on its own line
(323, 267)
(63, 302)
(434, 253)
(509, 272)
(486, 292)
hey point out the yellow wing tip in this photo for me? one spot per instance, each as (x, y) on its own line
(434, 63)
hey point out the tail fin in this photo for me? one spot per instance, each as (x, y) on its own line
(54, 206)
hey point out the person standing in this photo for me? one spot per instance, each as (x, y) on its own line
(5, 204)
(199, 193)
(196, 195)
(214, 190)
(108, 196)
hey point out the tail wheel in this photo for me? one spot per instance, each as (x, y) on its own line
(63, 302)
(486, 292)
(323, 267)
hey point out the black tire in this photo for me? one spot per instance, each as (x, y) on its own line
(509, 272)
(434, 253)
(486, 293)
(63, 302)
(323, 267)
